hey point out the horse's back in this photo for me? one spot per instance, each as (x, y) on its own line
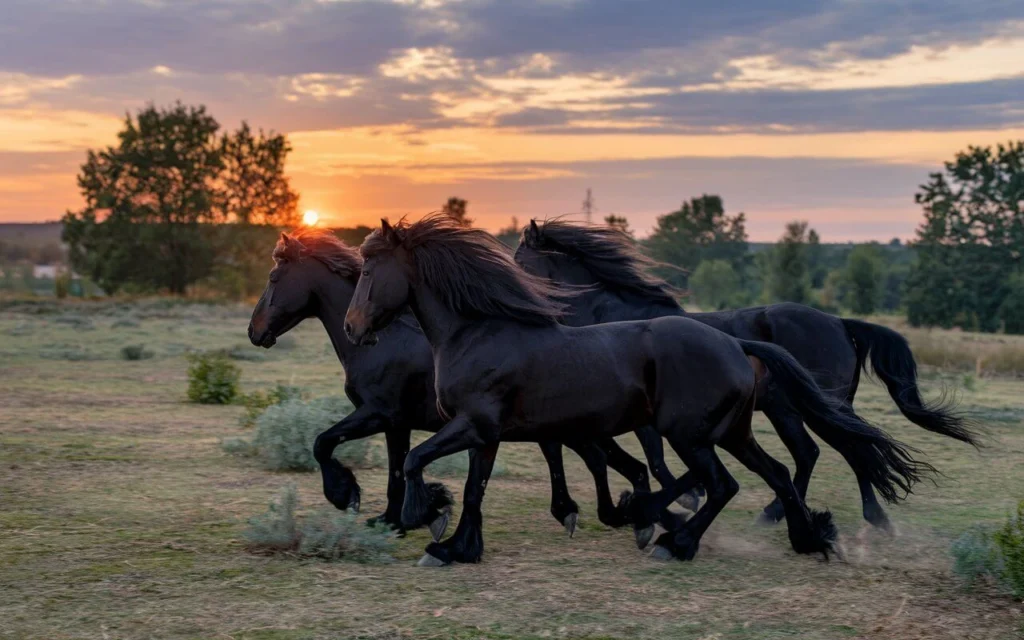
(699, 372)
(816, 339)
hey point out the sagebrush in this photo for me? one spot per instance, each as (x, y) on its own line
(327, 534)
(994, 554)
(212, 378)
(256, 403)
(285, 433)
(135, 352)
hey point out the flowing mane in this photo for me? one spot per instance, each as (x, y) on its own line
(471, 272)
(322, 245)
(609, 254)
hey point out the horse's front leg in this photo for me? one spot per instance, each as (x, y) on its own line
(340, 486)
(424, 504)
(563, 507)
(654, 450)
(467, 543)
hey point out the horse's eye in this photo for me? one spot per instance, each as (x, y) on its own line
(366, 272)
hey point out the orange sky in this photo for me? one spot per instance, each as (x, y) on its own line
(785, 118)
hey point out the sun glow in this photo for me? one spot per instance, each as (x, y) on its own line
(310, 218)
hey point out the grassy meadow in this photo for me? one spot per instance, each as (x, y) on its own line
(121, 516)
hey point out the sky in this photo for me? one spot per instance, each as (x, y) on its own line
(831, 111)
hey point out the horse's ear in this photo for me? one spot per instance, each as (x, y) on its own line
(532, 233)
(292, 247)
(388, 232)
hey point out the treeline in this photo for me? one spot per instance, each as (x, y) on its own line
(709, 256)
(177, 204)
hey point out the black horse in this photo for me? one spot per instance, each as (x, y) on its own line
(392, 387)
(619, 287)
(507, 370)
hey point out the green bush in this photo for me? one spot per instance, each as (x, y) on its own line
(212, 378)
(1010, 542)
(328, 534)
(257, 401)
(285, 433)
(998, 555)
(238, 447)
(135, 352)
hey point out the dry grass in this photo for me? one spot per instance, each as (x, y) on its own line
(955, 350)
(120, 517)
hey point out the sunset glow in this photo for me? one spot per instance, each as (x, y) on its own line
(310, 218)
(832, 114)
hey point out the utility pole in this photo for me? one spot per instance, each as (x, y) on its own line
(588, 206)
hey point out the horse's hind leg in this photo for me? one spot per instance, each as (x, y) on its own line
(467, 543)
(398, 449)
(809, 531)
(702, 461)
(563, 507)
(790, 427)
(650, 441)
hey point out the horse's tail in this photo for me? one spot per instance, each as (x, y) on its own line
(893, 363)
(887, 463)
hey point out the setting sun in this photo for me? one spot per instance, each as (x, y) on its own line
(310, 218)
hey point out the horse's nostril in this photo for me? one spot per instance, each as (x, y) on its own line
(250, 331)
(348, 329)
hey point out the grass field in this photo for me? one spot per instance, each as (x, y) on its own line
(120, 517)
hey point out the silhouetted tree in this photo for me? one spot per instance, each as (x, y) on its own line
(146, 200)
(864, 278)
(787, 277)
(456, 208)
(618, 222)
(699, 230)
(972, 235)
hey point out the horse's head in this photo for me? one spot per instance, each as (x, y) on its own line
(539, 256)
(289, 297)
(384, 286)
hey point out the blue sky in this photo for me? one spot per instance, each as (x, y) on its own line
(831, 112)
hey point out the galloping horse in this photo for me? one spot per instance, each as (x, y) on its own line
(507, 370)
(619, 287)
(392, 387)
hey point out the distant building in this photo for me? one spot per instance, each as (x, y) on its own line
(45, 271)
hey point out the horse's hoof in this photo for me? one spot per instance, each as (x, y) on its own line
(643, 536)
(570, 523)
(661, 553)
(765, 520)
(689, 502)
(438, 527)
(354, 507)
(430, 561)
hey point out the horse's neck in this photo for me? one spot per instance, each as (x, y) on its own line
(334, 298)
(439, 323)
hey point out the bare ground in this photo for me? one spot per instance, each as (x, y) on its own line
(120, 517)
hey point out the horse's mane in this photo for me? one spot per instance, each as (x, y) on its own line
(608, 253)
(471, 272)
(324, 246)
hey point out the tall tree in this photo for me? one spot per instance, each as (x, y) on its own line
(257, 196)
(715, 285)
(787, 277)
(699, 230)
(864, 278)
(816, 260)
(254, 187)
(146, 200)
(618, 222)
(456, 208)
(972, 235)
